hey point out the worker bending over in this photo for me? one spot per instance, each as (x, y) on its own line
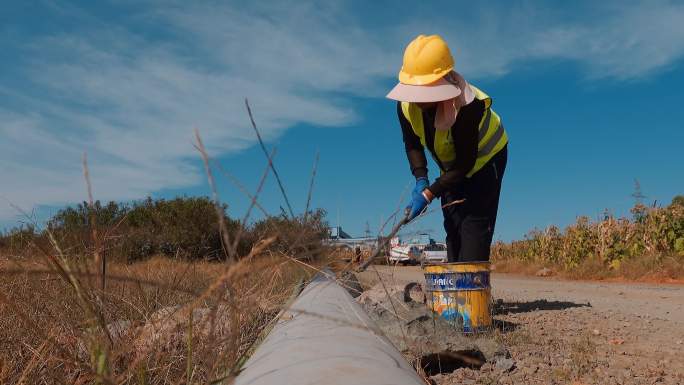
(454, 120)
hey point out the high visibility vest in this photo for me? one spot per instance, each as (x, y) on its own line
(492, 136)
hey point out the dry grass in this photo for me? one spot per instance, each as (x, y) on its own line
(655, 269)
(582, 354)
(77, 313)
(46, 335)
(70, 315)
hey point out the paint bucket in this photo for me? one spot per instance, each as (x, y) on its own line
(460, 293)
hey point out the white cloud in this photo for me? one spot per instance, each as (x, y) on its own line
(132, 104)
(131, 99)
(618, 40)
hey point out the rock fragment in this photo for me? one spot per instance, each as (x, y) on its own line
(505, 364)
(545, 272)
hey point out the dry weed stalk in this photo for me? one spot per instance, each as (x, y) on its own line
(253, 202)
(225, 237)
(311, 184)
(205, 353)
(168, 321)
(99, 260)
(263, 147)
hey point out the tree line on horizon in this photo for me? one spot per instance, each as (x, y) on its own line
(183, 227)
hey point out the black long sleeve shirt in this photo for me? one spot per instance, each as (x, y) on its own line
(465, 135)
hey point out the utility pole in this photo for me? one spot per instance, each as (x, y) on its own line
(338, 214)
(637, 194)
(639, 211)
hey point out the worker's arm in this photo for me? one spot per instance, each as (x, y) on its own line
(465, 134)
(414, 149)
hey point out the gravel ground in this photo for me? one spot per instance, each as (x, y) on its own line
(571, 332)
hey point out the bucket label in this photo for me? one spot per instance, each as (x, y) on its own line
(457, 281)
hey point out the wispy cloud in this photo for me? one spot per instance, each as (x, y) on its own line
(129, 92)
(132, 102)
(620, 40)
(624, 41)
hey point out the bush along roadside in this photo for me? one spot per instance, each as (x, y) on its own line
(184, 227)
(650, 242)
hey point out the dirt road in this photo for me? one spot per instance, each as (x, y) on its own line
(577, 332)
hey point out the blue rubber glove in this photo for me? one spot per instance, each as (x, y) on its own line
(418, 201)
(421, 184)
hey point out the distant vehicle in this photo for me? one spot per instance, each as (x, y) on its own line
(405, 254)
(409, 250)
(434, 253)
(420, 240)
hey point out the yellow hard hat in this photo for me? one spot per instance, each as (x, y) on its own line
(426, 59)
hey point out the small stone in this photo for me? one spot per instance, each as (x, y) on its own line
(545, 272)
(530, 370)
(414, 292)
(505, 364)
(616, 341)
(349, 281)
(596, 332)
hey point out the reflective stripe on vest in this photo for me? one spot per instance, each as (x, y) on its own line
(491, 139)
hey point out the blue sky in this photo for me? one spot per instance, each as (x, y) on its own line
(589, 93)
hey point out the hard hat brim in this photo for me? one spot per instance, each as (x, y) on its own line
(437, 91)
(421, 80)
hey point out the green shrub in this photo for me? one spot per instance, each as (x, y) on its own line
(184, 227)
(181, 227)
(299, 236)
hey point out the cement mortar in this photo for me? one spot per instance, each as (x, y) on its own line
(415, 330)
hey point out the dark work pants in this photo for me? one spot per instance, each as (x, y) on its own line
(470, 225)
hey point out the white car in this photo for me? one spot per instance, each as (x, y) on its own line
(404, 254)
(435, 253)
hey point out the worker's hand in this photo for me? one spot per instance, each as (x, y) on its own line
(419, 203)
(421, 184)
(416, 207)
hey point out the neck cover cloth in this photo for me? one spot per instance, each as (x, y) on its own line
(447, 110)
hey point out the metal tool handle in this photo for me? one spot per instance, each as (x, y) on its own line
(382, 244)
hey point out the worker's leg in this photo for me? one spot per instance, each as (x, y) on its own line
(479, 219)
(452, 223)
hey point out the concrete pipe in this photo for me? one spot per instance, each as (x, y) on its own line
(326, 338)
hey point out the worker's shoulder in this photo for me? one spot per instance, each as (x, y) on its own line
(400, 111)
(475, 105)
